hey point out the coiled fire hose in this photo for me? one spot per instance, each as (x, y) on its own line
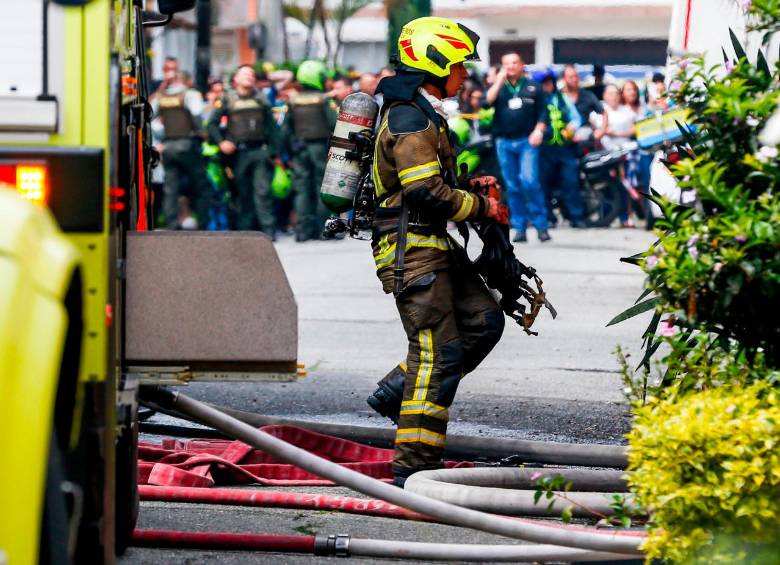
(458, 446)
(622, 543)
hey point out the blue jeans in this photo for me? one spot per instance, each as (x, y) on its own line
(560, 170)
(519, 162)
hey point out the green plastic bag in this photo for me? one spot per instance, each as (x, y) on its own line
(281, 184)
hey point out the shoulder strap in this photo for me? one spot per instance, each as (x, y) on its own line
(400, 248)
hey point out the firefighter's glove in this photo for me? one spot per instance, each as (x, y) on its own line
(482, 185)
(497, 261)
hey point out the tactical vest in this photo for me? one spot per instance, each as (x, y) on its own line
(558, 115)
(246, 119)
(308, 115)
(176, 118)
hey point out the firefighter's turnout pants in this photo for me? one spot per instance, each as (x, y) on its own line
(452, 323)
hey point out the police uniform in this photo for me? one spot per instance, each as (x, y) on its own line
(178, 109)
(309, 121)
(250, 125)
(451, 320)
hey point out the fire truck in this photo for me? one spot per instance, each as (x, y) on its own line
(93, 301)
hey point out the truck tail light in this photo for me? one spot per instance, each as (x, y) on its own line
(30, 180)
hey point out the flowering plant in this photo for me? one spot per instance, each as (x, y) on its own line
(714, 273)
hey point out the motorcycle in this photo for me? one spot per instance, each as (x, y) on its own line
(604, 186)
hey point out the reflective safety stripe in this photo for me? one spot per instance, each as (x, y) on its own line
(466, 206)
(425, 339)
(402, 365)
(420, 435)
(378, 186)
(386, 255)
(419, 172)
(426, 408)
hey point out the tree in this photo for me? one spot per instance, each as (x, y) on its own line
(400, 12)
(346, 10)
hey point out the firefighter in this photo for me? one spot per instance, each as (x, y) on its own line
(451, 320)
(179, 109)
(308, 123)
(250, 136)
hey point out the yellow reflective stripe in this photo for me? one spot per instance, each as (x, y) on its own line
(419, 172)
(386, 254)
(420, 435)
(416, 168)
(424, 174)
(385, 248)
(426, 408)
(402, 364)
(425, 339)
(465, 208)
(378, 186)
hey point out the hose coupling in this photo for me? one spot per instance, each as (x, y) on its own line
(333, 544)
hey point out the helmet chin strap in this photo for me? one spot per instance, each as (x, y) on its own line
(438, 83)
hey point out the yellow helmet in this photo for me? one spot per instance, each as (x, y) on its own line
(433, 45)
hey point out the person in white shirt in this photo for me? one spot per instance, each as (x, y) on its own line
(620, 130)
(621, 119)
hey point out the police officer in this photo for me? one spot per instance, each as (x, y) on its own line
(558, 153)
(450, 319)
(307, 126)
(251, 135)
(179, 109)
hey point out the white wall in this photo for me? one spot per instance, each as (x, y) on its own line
(541, 30)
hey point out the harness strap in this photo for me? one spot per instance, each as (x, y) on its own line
(400, 249)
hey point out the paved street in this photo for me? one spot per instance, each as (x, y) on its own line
(562, 385)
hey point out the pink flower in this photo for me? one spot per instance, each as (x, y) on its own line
(675, 86)
(729, 66)
(740, 238)
(746, 5)
(693, 252)
(683, 63)
(693, 240)
(766, 153)
(651, 261)
(667, 328)
(535, 476)
(717, 267)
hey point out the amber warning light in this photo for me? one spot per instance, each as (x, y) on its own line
(31, 181)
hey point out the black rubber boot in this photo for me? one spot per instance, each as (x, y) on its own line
(387, 398)
(400, 474)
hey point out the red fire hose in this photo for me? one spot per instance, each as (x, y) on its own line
(275, 499)
(220, 540)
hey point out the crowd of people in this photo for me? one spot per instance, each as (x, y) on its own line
(543, 123)
(250, 154)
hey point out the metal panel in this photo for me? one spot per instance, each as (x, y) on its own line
(213, 301)
(76, 183)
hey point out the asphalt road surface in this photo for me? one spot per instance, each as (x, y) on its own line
(563, 385)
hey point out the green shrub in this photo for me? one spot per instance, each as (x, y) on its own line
(708, 467)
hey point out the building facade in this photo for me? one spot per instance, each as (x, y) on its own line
(545, 32)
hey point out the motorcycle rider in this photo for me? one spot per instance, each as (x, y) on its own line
(451, 320)
(558, 153)
(307, 125)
